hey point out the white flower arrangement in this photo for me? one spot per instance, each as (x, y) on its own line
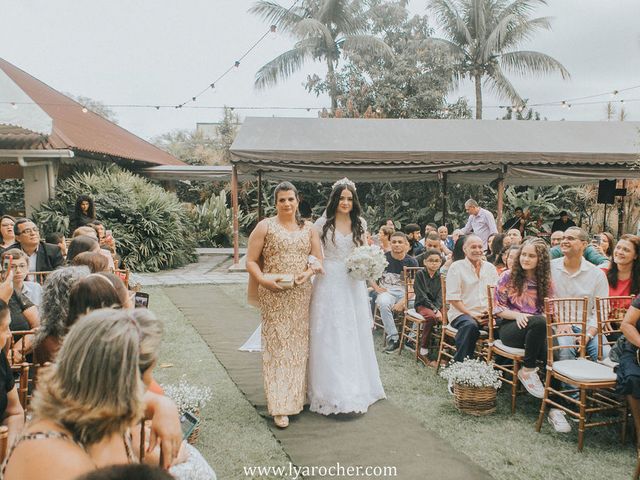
(472, 373)
(188, 397)
(366, 263)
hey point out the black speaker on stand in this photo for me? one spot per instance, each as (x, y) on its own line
(607, 191)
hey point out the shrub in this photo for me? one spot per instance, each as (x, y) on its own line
(151, 226)
(213, 221)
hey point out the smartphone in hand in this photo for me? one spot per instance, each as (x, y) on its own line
(141, 300)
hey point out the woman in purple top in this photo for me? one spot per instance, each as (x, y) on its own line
(519, 308)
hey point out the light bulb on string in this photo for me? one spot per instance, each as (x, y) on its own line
(564, 104)
(273, 32)
(14, 106)
(84, 110)
(614, 93)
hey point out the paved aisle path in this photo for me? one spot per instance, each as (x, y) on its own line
(385, 436)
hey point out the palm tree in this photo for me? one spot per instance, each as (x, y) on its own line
(481, 36)
(325, 30)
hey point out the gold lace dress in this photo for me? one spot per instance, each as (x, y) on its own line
(285, 320)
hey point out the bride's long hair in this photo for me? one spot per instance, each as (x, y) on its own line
(356, 224)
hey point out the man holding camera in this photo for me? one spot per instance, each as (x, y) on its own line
(467, 282)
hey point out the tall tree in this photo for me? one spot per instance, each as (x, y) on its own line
(414, 85)
(482, 36)
(326, 30)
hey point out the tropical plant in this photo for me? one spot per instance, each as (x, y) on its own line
(150, 225)
(213, 221)
(481, 36)
(12, 195)
(326, 30)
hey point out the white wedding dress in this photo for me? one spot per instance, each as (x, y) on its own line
(343, 373)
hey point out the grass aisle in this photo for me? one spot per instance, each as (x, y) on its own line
(506, 445)
(233, 434)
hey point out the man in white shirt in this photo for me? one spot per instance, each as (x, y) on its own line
(467, 282)
(575, 277)
(481, 222)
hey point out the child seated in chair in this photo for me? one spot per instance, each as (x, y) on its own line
(428, 295)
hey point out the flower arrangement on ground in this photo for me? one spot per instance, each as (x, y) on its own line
(188, 397)
(474, 386)
(366, 263)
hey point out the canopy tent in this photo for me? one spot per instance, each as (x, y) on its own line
(461, 151)
(468, 151)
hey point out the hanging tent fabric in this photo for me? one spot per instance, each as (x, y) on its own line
(468, 151)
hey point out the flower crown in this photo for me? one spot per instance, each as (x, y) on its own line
(344, 181)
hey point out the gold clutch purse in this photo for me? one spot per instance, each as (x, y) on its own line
(284, 280)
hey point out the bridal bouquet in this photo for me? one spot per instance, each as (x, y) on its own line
(366, 263)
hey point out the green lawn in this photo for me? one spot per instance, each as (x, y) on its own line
(232, 432)
(505, 444)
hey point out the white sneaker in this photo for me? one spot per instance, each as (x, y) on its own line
(558, 419)
(532, 383)
(424, 351)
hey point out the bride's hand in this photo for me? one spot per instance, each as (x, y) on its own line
(304, 276)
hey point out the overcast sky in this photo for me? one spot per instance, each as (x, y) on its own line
(164, 52)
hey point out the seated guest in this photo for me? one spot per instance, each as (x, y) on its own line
(107, 241)
(467, 282)
(496, 246)
(457, 254)
(20, 262)
(82, 243)
(428, 295)
(43, 257)
(519, 308)
(574, 277)
(628, 370)
(455, 235)
(91, 232)
(624, 274)
(94, 260)
(590, 253)
(6, 231)
(92, 398)
(432, 242)
(390, 292)
(488, 253)
(515, 236)
(384, 237)
(510, 256)
(556, 238)
(89, 293)
(57, 238)
(11, 411)
(604, 243)
(447, 240)
(428, 228)
(54, 310)
(562, 223)
(413, 235)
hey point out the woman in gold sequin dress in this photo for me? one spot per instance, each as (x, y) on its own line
(282, 244)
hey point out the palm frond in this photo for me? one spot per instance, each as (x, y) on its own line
(521, 8)
(495, 40)
(346, 15)
(502, 87)
(456, 52)
(451, 21)
(311, 27)
(366, 44)
(275, 14)
(525, 31)
(281, 67)
(525, 62)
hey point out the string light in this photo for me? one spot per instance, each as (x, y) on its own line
(273, 32)
(13, 104)
(84, 110)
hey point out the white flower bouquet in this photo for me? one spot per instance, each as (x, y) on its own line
(188, 398)
(472, 373)
(366, 263)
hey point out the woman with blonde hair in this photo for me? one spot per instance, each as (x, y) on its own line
(87, 402)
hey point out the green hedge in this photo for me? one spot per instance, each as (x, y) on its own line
(151, 226)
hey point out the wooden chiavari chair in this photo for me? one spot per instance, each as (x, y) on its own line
(590, 381)
(610, 312)
(516, 355)
(412, 321)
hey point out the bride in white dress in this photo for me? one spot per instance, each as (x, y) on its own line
(343, 373)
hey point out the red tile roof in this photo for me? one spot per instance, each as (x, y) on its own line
(85, 133)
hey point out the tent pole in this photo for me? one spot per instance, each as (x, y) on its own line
(234, 207)
(500, 203)
(444, 199)
(621, 211)
(259, 195)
